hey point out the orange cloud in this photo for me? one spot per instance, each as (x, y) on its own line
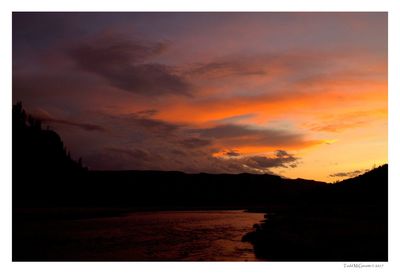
(349, 120)
(269, 106)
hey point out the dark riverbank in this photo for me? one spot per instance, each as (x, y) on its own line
(351, 225)
(305, 234)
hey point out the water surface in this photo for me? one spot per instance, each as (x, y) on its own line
(150, 236)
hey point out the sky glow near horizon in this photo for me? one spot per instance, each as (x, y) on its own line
(294, 94)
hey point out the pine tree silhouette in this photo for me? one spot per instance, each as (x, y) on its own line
(40, 160)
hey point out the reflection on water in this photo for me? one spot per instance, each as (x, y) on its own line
(144, 236)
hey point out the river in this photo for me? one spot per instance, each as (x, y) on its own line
(149, 236)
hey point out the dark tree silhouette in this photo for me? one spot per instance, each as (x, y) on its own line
(40, 160)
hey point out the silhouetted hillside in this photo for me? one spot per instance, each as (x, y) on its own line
(158, 188)
(371, 186)
(35, 149)
(348, 222)
(40, 161)
(373, 178)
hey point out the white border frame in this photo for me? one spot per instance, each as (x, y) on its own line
(6, 8)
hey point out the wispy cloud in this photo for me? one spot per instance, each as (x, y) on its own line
(235, 134)
(125, 64)
(348, 173)
(44, 116)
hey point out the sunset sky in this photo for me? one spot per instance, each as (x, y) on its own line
(294, 94)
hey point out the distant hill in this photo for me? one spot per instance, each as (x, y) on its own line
(372, 178)
(371, 187)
